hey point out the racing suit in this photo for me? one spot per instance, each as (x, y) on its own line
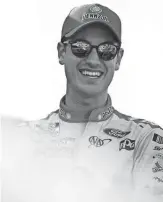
(71, 155)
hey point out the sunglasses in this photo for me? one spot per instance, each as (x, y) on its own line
(82, 48)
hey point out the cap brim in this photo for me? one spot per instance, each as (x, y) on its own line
(73, 31)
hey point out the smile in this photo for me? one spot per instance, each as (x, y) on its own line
(91, 74)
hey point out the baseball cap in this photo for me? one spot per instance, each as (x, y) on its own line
(88, 14)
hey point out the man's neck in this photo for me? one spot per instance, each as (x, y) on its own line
(78, 101)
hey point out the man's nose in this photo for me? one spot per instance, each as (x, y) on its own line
(93, 58)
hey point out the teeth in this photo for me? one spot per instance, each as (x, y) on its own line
(94, 74)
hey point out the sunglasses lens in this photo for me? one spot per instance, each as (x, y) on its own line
(80, 48)
(107, 51)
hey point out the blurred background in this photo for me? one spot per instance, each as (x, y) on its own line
(31, 80)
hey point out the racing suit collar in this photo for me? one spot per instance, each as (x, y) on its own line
(78, 116)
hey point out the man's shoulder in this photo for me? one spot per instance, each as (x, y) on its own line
(45, 125)
(141, 122)
(146, 133)
(15, 125)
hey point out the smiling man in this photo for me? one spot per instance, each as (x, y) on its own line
(90, 57)
(86, 150)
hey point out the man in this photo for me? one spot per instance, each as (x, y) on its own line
(86, 150)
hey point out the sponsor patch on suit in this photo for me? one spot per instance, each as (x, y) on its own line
(116, 132)
(157, 138)
(157, 168)
(97, 142)
(127, 144)
(158, 156)
(158, 179)
(157, 148)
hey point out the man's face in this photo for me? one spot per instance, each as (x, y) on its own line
(95, 34)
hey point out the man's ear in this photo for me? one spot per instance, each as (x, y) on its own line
(119, 58)
(61, 52)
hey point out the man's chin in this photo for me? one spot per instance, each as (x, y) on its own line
(88, 91)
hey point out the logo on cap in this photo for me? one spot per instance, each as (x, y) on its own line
(94, 16)
(95, 9)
